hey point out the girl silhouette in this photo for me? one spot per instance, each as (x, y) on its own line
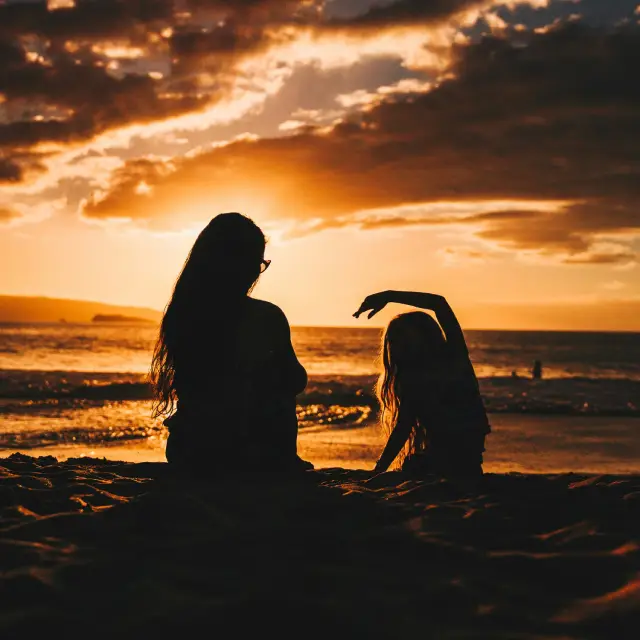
(430, 401)
(224, 371)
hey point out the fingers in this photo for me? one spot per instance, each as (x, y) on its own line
(373, 304)
(363, 307)
(359, 312)
(370, 315)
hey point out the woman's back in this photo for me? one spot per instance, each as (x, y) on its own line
(248, 403)
(224, 371)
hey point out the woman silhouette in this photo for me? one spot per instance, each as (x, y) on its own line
(224, 371)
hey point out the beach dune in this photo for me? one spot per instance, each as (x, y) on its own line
(109, 548)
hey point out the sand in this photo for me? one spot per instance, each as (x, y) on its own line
(96, 548)
(524, 443)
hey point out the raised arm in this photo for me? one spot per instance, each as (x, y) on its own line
(429, 301)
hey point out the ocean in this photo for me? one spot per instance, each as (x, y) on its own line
(75, 390)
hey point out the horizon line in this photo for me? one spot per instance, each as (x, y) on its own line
(331, 326)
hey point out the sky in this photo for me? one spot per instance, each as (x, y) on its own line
(486, 150)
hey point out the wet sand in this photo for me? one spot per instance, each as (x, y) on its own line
(109, 549)
(524, 443)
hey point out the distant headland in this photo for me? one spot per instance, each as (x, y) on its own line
(23, 309)
(102, 317)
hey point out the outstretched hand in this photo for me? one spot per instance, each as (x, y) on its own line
(373, 304)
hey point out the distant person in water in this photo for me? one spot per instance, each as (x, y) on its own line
(536, 371)
(429, 396)
(224, 371)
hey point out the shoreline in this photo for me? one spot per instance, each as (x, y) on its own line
(525, 443)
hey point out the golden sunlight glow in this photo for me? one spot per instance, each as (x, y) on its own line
(143, 189)
(119, 51)
(332, 51)
(347, 213)
(64, 163)
(449, 210)
(197, 213)
(257, 78)
(60, 4)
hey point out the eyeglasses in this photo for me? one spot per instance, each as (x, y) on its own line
(264, 265)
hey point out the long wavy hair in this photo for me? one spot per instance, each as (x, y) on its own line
(413, 355)
(197, 335)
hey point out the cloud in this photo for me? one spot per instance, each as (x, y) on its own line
(614, 255)
(15, 165)
(614, 285)
(574, 231)
(551, 116)
(84, 20)
(71, 95)
(71, 74)
(404, 13)
(8, 215)
(555, 120)
(136, 179)
(570, 232)
(461, 255)
(9, 170)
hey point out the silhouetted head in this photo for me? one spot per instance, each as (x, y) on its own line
(228, 255)
(198, 328)
(413, 354)
(412, 340)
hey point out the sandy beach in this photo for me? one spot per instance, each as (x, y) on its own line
(123, 548)
(523, 443)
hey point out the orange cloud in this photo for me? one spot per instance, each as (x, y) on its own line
(110, 66)
(556, 120)
(7, 215)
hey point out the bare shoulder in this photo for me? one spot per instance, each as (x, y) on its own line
(267, 312)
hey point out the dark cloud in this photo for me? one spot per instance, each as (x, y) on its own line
(404, 13)
(557, 119)
(89, 99)
(48, 58)
(214, 49)
(58, 83)
(9, 170)
(572, 231)
(102, 19)
(14, 166)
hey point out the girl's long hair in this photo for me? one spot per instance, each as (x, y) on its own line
(197, 335)
(414, 366)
